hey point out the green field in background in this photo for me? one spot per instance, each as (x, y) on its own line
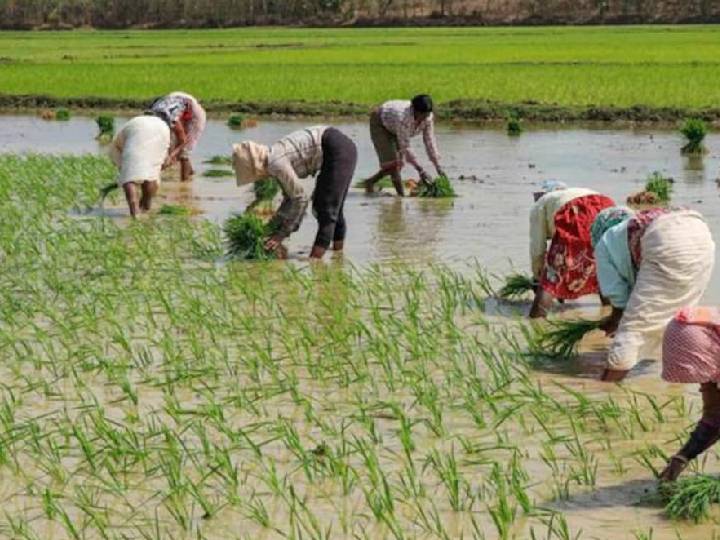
(656, 66)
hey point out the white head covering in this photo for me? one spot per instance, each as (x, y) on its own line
(199, 119)
(250, 162)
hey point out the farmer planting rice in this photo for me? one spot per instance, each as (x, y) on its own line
(565, 270)
(187, 119)
(691, 354)
(307, 152)
(140, 151)
(392, 125)
(649, 265)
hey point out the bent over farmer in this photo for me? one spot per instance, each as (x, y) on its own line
(392, 125)
(691, 354)
(649, 265)
(307, 152)
(565, 270)
(140, 151)
(186, 118)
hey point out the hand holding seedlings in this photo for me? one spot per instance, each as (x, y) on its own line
(565, 270)
(320, 150)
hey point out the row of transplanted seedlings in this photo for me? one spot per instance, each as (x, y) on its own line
(149, 391)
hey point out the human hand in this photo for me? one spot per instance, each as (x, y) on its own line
(273, 243)
(441, 171)
(675, 466)
(609, 325)
(425, 177)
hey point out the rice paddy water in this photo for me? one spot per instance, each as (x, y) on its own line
(153, 389)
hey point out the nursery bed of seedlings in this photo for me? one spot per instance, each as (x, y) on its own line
(150, 388)
(543, 72)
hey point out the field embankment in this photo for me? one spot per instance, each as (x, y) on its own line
(627, 73)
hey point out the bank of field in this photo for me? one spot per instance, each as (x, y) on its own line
(622, 67)
(150, 389)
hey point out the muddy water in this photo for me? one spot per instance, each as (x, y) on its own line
(488, 222)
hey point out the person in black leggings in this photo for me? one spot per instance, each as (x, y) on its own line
(321, 150)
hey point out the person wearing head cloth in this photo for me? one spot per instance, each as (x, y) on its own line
(649, 265)
(140, 150)
(392, 125)
(691, 354)
(307, 152)
(186, 118)
(565, 270)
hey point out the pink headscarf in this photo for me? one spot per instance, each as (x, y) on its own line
(691, 346)
(199, 119)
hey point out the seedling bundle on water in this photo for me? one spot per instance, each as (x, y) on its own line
(266, 189)
(559, 339)
(246, 235)
(106, 127)
(691, 498)
(440, 188)
(516, 285)
(660, 186)
(62, 115)
(694, 130)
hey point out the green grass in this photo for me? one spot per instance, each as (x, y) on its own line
(218, 173)
(694, 130)
(246, 235)
(655, 66)
(660, 186)
(152, 389)
(174, 210)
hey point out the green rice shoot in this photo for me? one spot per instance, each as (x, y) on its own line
(516, 285)
(559, 339)
(236, 121)
(694, 130)
(219, 160)
(266, 189)
(218, 173)
(105, 124)
(514, 126)
(691, 498)
(62, 115)
(174, 210)
(440, 188)
(246, 234)
(660, 186)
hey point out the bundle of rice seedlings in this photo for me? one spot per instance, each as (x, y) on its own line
(246, 234)
(694, 130)
(514, 126)
(62, 115)
(219, 160)
(266, 189)
(218, 173)
(106, 126)
(174, 210)
(516, 285)
(660, 186)
(690, 498)
(236, 121)
(559, 339)
(441, 187)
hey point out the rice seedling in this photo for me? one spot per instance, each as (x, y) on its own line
(660, 186)
(266, 189)
(559, 339)
(62, 115)
(218, 173)
(236, 120)
(106, 125)
(691, 498)
(516, 285)
(174, 210)
(694, 130)
(246, 235)
(218, 160)
(514, 126)
(441, 187)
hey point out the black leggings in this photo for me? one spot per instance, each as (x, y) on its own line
(333, 182)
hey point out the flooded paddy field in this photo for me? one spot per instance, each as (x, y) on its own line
(152, 389)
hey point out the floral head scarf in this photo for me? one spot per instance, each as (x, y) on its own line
(607, 218)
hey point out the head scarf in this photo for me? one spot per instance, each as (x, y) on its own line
(250, 162)
(607, 218)
(198, 121)
(552, 185)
